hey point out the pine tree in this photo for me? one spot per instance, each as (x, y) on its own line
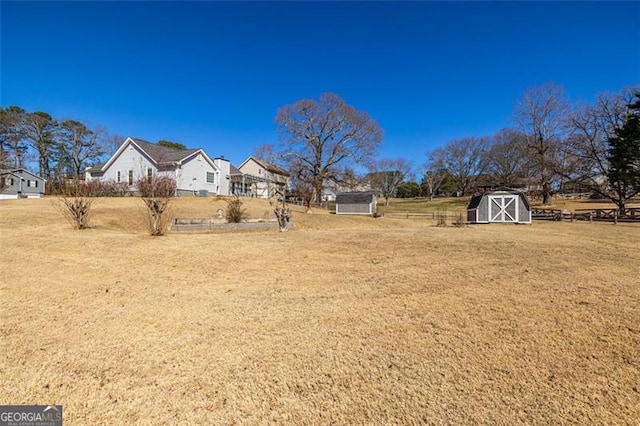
(624, 157)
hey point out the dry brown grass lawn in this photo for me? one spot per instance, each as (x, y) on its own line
(343, 320)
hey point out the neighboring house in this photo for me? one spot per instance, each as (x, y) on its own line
(238, 184)
(20, 183)
(503, 206)
(195, 173)
(332, 189)
(356, 203)
(261, 178)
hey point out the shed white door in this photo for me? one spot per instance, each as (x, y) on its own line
(503, 208)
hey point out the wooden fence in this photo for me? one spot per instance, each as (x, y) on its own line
(598, 215)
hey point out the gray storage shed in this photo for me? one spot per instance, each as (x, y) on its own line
(501, 206)
(356, 203)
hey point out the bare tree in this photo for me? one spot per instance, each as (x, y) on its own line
(435, 172)
(78, 146)
(112, 143)
(591, 127)
(507, 159)
(319, 138)
(266, 152)
(387, 174)
(157, 193)
(465, 159)
(541, 114)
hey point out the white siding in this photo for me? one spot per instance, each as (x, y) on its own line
(225, 175)
(131, 158)
(193, 175)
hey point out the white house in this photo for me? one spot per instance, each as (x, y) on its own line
(195, 173)
(260, 178)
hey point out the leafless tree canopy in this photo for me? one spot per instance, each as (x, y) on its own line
(507, 159)
(387, 174)
(465, 160)
(77, 145)
(435, 172)
(319, 138)
(266, 152)
(590, 128)
(542, 115)
(112, 143)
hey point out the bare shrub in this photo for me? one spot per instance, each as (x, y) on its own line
(109, 188)
(92, 188)
(277, 200)
(459, 221)
(235, 213)
(441, 218)
(157, 193)
(76, 203)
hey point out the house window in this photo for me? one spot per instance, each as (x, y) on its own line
(149, 172)
(130, 181)
(118, 177)
(211, 177)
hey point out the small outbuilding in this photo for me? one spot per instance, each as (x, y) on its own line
(502, 206)
(20, 183)
(356, 203)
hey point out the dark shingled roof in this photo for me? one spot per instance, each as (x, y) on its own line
(475, 200)
(162, 154)
(20, 169)
(271, 167)
(354, 197)
(234, 170)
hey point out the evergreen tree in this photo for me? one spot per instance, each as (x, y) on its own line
(624, 156)
(173, 145)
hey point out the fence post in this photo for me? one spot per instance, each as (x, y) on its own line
(615, 217)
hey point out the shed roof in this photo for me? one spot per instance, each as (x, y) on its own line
(475, 200)
(355, 197)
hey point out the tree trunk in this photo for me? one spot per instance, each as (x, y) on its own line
(546, 193)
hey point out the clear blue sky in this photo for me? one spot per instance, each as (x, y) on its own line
(213, 74)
